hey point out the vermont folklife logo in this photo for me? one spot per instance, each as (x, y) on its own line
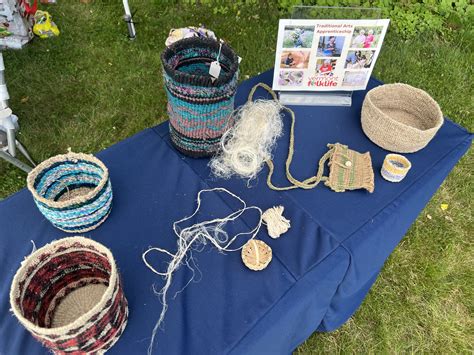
(323, 81)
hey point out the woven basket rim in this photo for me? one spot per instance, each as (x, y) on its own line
(199, 80)
(84, 317)
(63, 158)
(406, 87)
(400, 158)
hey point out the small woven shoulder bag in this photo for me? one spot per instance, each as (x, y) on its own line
(348, 169)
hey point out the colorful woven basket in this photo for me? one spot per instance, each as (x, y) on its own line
(400, 118)
(199, 108)
(68, 295)
(73, 191)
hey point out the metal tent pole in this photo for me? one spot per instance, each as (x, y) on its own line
(129, 20)
(8, 127)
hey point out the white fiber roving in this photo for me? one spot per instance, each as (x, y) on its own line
(249, 143)
(195, 237)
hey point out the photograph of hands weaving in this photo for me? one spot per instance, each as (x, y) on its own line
(164, 191)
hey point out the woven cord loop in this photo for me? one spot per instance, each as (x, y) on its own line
(310, 182)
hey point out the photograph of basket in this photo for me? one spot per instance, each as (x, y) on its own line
(400, 118)
(68, 295)
(73, 191)
(199, 107)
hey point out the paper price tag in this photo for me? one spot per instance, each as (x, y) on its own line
(215, 69)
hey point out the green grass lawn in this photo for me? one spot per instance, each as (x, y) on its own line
(91, 87)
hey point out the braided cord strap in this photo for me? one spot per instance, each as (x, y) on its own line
(349, 170)
(310, 182)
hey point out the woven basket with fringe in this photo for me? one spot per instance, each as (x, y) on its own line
(400, 118)
(73, 191)
(68, 295)
(199, 109)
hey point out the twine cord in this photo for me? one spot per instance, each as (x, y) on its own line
(34, 247)
(310, 182)
(195, 237)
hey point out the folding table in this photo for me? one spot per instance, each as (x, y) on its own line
(322, 268)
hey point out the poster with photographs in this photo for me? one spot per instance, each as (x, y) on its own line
(327, 55)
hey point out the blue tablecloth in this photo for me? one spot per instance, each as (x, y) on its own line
(321, 270)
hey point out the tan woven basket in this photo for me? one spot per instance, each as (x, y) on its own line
(400, 118)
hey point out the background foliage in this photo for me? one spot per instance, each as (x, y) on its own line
(409, 17)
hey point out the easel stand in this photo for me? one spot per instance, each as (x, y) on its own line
(305, 98)
(325, 98)
(8, 128)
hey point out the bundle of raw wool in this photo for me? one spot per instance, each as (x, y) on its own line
(249, 143)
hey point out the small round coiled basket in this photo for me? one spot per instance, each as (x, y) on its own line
(400, 118)
(199, 108)
(68, 295)
(73, 191)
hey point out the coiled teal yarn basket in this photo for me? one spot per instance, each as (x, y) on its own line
(199, 108)
(73, 191)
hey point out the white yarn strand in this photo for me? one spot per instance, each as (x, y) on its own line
(246, 146)
(195, 237)
(34, 246)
